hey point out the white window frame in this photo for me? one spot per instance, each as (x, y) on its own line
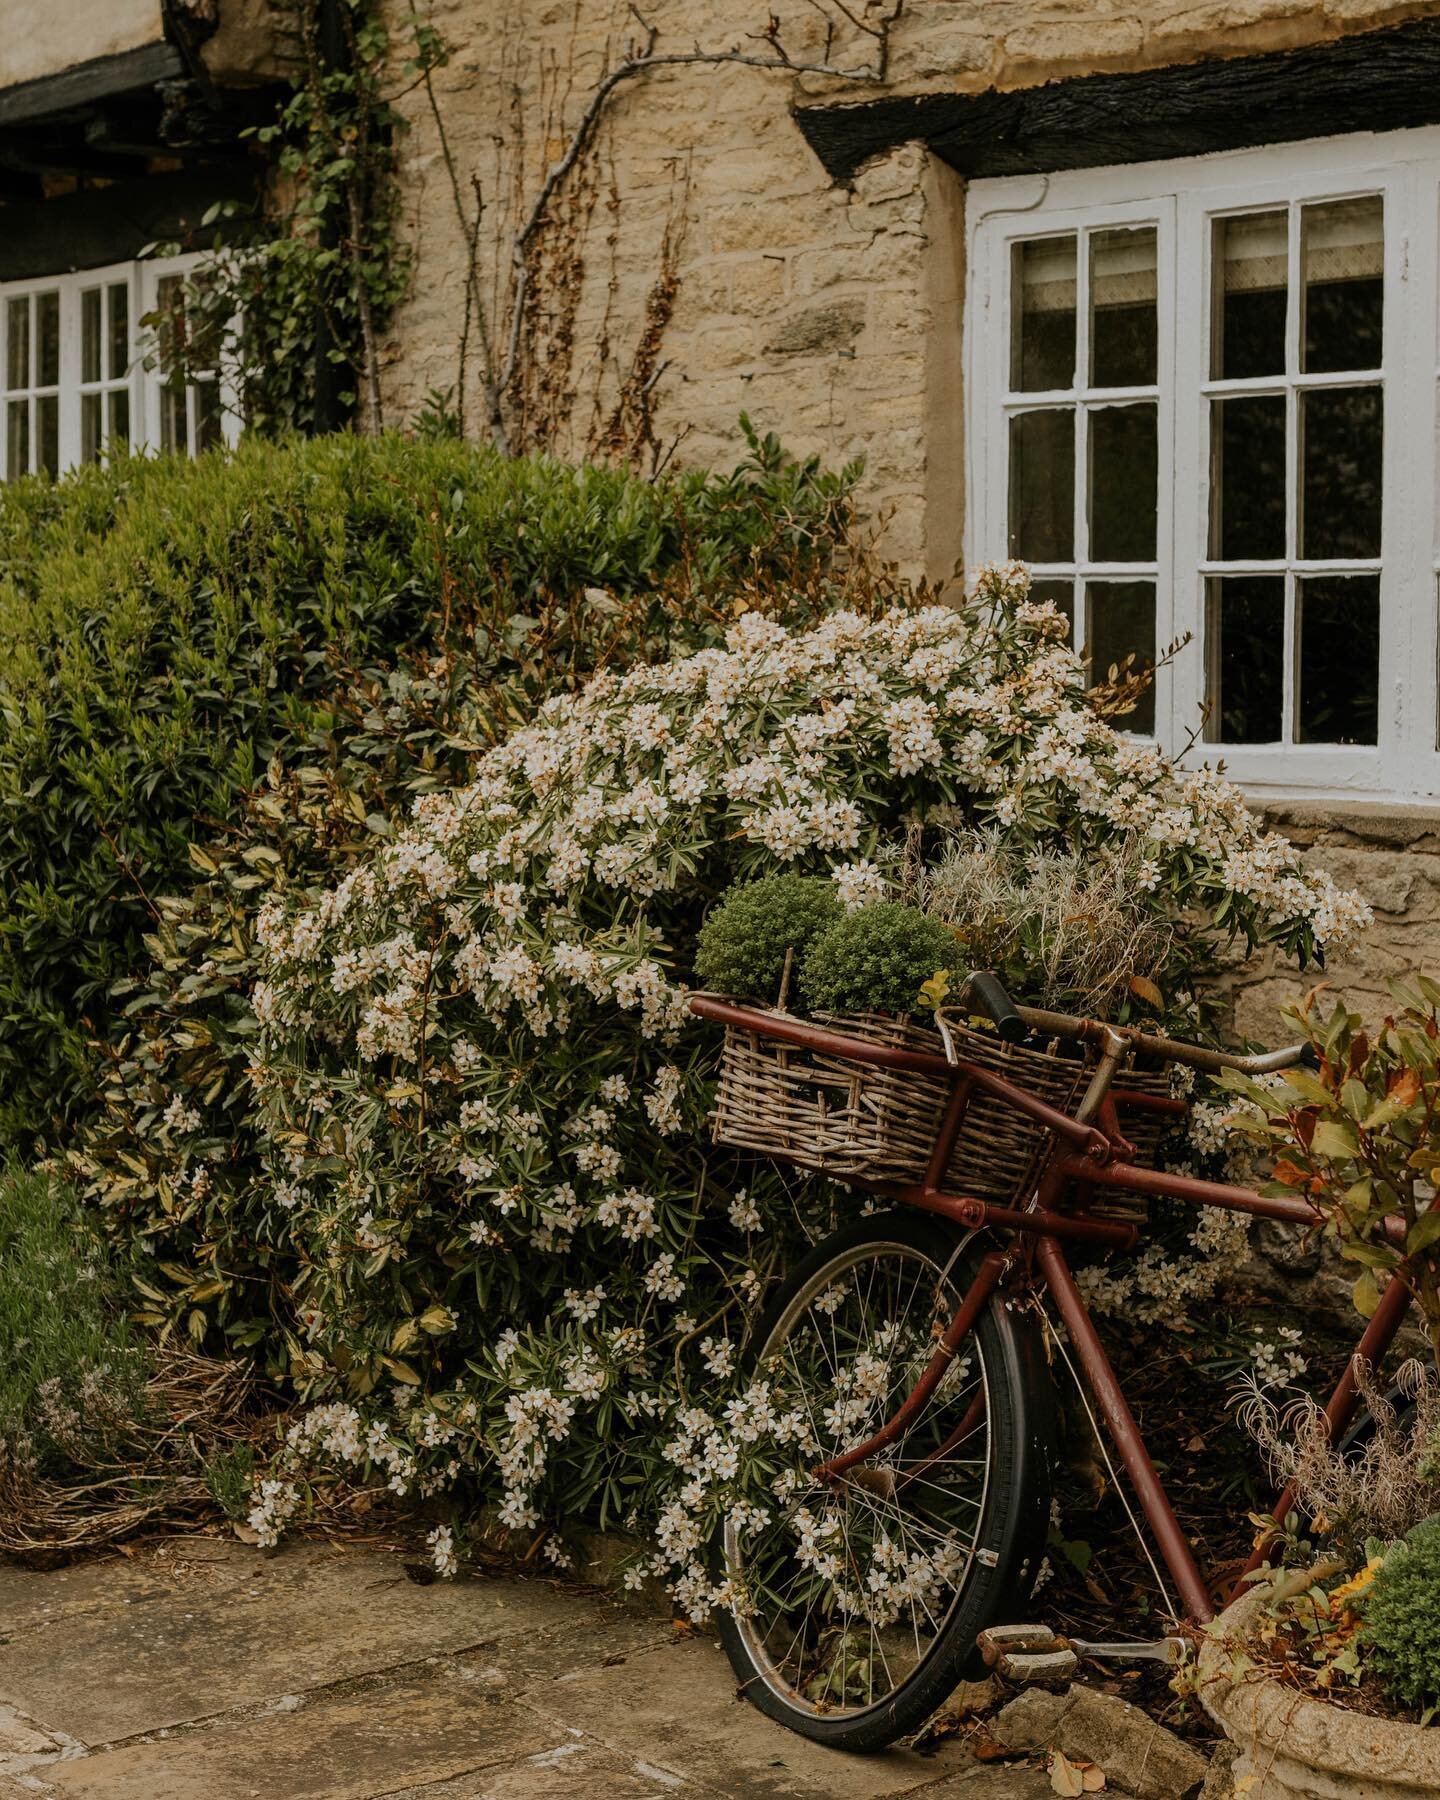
(143, 384)
(1180, 198)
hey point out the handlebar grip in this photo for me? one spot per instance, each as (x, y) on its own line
(990, 998)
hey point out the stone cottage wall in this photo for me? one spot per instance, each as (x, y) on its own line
(701, 263)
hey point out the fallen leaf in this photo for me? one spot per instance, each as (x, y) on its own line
(247, 1534)
(1065, 1778)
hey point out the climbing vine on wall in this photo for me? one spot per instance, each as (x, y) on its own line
(296, 301)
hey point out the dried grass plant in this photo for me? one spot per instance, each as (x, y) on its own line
(1078, 928)
(1378, 1487)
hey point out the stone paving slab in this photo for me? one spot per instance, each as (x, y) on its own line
(304, 1618)
(211, 1672)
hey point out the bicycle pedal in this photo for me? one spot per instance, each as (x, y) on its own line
(1024, 1653)
(1011, 1640)
(1021, 1666)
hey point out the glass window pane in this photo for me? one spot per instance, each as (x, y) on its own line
(1123, 471)
(91, 433)
(1042, 485)
(47, 433)
(119, 322)
(1245, 659)
(1338, 672)
(17, 338)
(1342, 248)
(1122, 308)
(90, 335)
(119, 417)
(1042, 332)
(17, 438)
(207, 414)
(47, 339)
(174, 434)
(1060, 594)
(1341, 435)
(1247, 478)
(1121, 623)
(1248, 306)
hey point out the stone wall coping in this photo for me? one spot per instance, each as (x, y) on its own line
(1388, 824)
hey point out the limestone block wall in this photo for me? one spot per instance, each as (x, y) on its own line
(1393, 857)
(699, 262)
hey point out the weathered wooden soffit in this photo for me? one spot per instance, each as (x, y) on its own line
(1373, 81)
(120, 116)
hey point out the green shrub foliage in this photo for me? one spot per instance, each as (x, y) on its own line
(743, 944)
(1401, 1633)
(169, 627)
(876, 960)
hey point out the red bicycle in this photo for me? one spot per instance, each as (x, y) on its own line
(905, 1371)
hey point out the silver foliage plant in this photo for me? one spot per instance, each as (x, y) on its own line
(521, 1270)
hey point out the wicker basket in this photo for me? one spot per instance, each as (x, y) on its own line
(851, 1119)
(826, 1112)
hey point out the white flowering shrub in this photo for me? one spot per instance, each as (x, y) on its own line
(516, 1262)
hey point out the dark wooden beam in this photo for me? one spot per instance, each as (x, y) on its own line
(113, 224)
(81, 85)
(1372, 81)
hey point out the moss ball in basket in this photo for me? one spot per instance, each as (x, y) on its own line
(743, 944)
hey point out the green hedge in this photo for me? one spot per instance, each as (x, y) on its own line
(166, 627)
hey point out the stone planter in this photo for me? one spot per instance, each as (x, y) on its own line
(1296, 1748)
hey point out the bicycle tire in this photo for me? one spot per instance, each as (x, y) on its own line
(1014, 1513)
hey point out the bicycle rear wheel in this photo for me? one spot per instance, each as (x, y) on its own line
(858, 1603)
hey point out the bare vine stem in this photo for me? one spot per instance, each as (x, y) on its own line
(642, 58)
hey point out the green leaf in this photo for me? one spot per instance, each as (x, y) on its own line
(1334, 1140)
(1423, 1233)
(1366, 1295)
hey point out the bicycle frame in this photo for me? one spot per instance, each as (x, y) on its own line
(1088, 1147)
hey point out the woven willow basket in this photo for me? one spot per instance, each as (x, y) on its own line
(852, 1119)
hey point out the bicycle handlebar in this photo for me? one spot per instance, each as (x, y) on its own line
(983, 992)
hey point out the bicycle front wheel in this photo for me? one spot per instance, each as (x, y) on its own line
(857, 1602)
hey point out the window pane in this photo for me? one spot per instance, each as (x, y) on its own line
(1338, 676)
(47, 433)
(1060, 594)
(1122, 308)
(1341, 432)
(1121, 618)
(17, 337)
(1245, 659)
(1042, 485)
(17, 438)
(91, 433)
(207, 414)
(1042, 346)
(119, 320)
(1248, 309)
(173, 432)
(1247, 478)
(119, 417)
(47, 339)
(90, 335)
(1343, 250)
(1123, 469)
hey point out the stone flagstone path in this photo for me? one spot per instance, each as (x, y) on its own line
(202, 1670)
